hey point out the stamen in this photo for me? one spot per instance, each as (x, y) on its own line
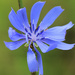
(36, 30)
(26, 30)
(32, 26)
(40, 33)
(29, 38)
(42, 38)
(29, 33)
(30, 29)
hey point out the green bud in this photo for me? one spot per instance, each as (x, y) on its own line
(26, 45)
(35, 44)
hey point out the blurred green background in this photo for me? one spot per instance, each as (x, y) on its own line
(55, 62)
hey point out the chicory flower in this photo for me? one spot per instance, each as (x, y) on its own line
(46, 39)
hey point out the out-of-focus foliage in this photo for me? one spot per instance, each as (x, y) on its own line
(55, 62)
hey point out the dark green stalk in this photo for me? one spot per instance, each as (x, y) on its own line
(20, 4)
(34, 73)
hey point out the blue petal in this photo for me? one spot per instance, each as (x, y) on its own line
(15, 21)
(45, 48)
(50, 17)
(57, 33)
(31, 60)
(65, 46)
(14, 45)
(59, 45)
(48, 41)
(52, 44)
(23, 16)
(39, 58)
(35, 12)
(42, 46)
(14, 36)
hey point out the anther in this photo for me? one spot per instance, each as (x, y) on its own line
(36, 30)
(29, 33)
(30, 29)
(26, 30)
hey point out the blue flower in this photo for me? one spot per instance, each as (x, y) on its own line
(46, 39)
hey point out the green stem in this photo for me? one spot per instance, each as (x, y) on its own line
(34, 73)
(20, 4)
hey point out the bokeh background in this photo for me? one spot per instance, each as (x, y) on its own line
(55, 62)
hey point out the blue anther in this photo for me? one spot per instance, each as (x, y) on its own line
(38, 34)
(26, 30)
(29, 33)
(42, 38)
(30, 29)
(29, 38)
(36, 30)
(41, 31)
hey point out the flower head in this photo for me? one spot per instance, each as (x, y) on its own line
(46, 39)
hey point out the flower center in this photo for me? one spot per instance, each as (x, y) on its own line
(33, 36)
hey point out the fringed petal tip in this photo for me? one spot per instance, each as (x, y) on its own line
(65, 46)
(69, 25)
(60, 7)
(6, 44)
(14, 36)
(11, 8)
(11, 11)
(23, 17)
(15, 21)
